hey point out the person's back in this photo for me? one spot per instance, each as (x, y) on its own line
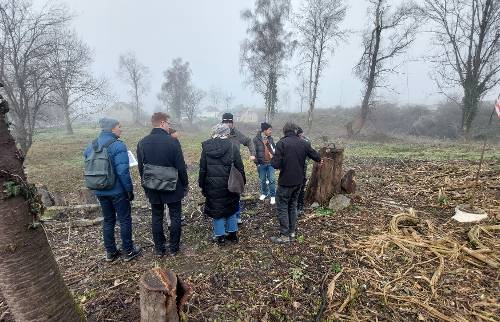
(116, 201)
(217, 157)
(164, 179)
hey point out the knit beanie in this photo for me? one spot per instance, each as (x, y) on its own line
(220, 131)
(265, 126)
(107, 124)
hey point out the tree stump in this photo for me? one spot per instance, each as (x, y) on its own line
(326, 180)
(163, 295)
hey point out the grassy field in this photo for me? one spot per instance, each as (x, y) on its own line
(56, 161)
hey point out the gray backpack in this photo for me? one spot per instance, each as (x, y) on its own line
(99, 172)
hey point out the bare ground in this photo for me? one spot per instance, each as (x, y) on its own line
(343, 266)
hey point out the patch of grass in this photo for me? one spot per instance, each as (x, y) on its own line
(325, 212)
(336, 268)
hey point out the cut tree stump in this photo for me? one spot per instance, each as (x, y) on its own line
(163, 295)
(326, 180)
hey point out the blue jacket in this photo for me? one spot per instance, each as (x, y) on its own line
(119, 156)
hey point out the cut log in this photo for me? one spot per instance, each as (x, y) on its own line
(163, 295)
(326, 180)
(349, 182)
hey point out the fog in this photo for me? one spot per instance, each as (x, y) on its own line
(208, 34)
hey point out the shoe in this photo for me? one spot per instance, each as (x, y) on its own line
(262, 197)
(273, 200)
(221, 240)
(110, 257)
(160, 253)
(300, 212)
(173, 253)
(280, 240)
(240, 221)
(232, 237)
(183, 221)
(292, 235)
(133, 254)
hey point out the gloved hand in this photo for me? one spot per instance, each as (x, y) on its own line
(130, 196)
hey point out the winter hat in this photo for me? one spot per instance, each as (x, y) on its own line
(299, 131)
(107, 124)
(220, 131)
(227, 118)
(265, 126)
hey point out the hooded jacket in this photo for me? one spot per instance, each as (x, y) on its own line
(119, 156)
(290, 159)
(215, 166)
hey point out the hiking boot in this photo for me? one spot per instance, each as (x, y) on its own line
(221, 240)
(280, 240)
(111, 257)
(232, 237)
(273, 201)
(136, 251)
(262, 197)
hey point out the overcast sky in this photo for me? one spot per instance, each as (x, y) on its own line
(208, 33)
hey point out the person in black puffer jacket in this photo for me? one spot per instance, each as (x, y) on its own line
(215, 165)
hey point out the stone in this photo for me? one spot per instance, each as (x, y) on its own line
(45, 196)
(87, 197)
(315, 205)
(339, 202)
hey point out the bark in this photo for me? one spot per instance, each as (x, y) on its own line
(326, 180)
(349, 182)
(163, 295)
(67, 121)
(30, 280)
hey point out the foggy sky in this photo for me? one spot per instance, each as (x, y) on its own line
(208, 33)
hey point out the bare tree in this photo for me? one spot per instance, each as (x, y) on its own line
(228, 101)
(136, 75)
(26, 40)
(468, 35)
(302, 89)
(264, 52)
(215, 95)
(318, 25)
(75, 90)
(391, 34)
(176, 87)
(30, 280)
(194, 98)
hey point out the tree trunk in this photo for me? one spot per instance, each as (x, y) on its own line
(30, 280)
(67, 121)
(163, 295)
(326, 180)
(470, 106)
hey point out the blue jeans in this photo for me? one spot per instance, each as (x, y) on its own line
(111, 208)
(221, 226)
(241, 207)
(267, 173)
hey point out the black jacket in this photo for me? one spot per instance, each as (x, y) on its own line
(290, 158)
(159, 148)
(259, 147)
(215, 166)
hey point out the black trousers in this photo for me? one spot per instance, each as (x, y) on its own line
(175, 212)
(286, 204)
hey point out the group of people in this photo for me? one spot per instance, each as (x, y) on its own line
(165, 180)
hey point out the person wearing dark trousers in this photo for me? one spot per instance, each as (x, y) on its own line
(290, 158)
(164, 179)
(238, 139)
(217, 156)
(300, 202)
(116, 200)
(264, 151)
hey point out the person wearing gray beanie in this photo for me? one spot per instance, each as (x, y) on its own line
(108, 124)
(114, 192)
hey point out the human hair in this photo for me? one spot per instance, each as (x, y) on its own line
(290, 127)
(159, 117)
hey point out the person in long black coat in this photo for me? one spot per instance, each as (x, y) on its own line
(218, 153)
(160, 149)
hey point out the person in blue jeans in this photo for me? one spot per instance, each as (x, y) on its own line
(222, 205)
(264, 151)
(116, 202)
